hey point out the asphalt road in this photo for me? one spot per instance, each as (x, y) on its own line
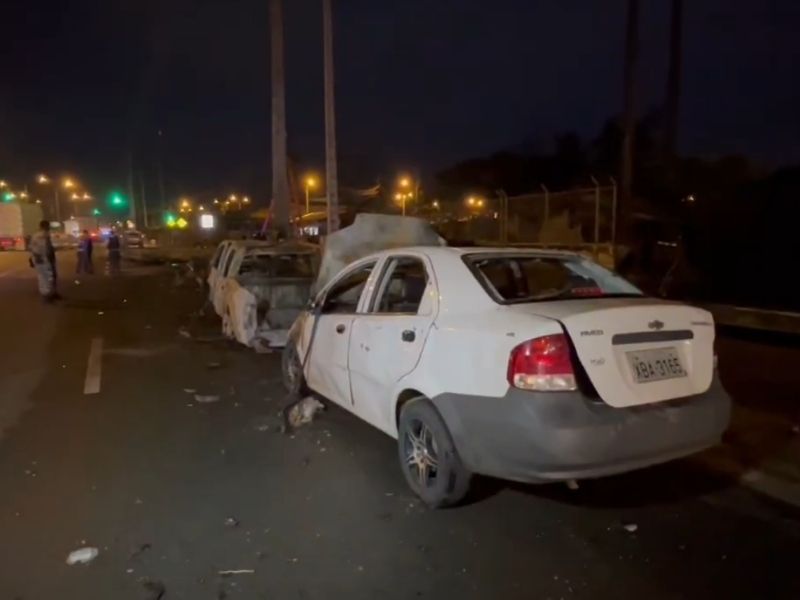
(172, 491)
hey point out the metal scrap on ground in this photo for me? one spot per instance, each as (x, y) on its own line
(302, 412)
(82, 556)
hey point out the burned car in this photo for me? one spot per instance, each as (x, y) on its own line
(261, 290)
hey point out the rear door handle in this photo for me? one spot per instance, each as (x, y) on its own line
(340, 328)
(408, 335)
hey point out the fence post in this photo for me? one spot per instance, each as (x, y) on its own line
(546, 202)
(503, 216)
(596, 216)
(614, 219)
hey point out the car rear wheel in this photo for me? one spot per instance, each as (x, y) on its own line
(428, 456)
(292, 370)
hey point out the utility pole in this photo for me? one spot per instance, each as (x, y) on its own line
(673, 91)
(280, 178)
(161, 191)
(629, 117)
(144, 199)
(131, 197)
(331, 178)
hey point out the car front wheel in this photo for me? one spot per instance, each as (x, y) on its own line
(428, 456)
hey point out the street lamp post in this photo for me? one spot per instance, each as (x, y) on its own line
(310, 183)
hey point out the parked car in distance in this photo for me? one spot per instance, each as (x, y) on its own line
(527, 365)
(133, 238)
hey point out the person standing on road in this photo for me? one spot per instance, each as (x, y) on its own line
(43, 259)
(113, 247)
(85, 254)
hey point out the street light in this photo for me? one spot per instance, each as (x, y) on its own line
(435, 204)
(68, 183)
(3, 184)
(310, 182)
(42, 179)
(404, 182)
(246, 200)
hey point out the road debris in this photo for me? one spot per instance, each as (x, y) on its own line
(206, 399)
(630, 527)
(213, 365)
(183, 332)
(100, 312)
(140, 549)
(302, 412)
(190, 390)
(231, 522)
(572, 484)
(231, 572)
(82, 556)
(261, 346)
(155, 589)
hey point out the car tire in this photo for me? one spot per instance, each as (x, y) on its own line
(428, 457)
(292, 370)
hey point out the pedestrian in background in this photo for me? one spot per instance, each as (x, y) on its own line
(43, 259)
(114, 257)
(85, 254)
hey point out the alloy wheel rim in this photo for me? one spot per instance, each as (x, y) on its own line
(421, 454)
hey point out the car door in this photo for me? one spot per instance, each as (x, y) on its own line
(327, 372)
(215, 264)
(388, 336)
(229, 267)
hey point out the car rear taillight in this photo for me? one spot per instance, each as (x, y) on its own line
(542, 364)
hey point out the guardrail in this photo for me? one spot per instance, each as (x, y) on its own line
(776, 321)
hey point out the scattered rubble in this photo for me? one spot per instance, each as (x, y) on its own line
(231, 572)
(302, 412)
(190, 390)
(208, 399)
(231, 522)
(82, 556)
(183, 332)
(140, 549)
(630, 527)
(572, 484)
(155, 589)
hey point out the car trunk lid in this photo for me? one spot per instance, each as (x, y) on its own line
(637, 350)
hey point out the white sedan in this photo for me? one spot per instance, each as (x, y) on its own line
(534, 366)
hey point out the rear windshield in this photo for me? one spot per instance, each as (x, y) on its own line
(277, 265)
(530, 278)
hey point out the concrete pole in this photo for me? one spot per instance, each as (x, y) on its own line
(280, 177)
(131, 196)
(629, 117)
(331, 177)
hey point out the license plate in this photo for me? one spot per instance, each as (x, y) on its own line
(655, 365)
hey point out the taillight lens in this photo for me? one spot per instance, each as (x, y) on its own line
(542, 364)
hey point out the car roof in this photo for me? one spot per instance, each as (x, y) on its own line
(434, 251)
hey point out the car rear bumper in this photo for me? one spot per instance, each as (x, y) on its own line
(538, 437)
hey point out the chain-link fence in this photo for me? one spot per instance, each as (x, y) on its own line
(580, 219)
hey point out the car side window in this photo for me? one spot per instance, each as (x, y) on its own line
(402, 287)
(228, 262)
(217, 256)
(343, 297)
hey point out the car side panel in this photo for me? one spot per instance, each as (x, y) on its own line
(468, 354)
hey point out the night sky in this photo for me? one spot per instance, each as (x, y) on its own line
(420, 83)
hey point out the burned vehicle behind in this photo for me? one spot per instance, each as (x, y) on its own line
(264, 290)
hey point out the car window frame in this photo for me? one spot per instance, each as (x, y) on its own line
(470, 258)
(376, 264)
(383, 274)
(229, 260)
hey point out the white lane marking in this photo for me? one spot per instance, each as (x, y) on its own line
(94, 367)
